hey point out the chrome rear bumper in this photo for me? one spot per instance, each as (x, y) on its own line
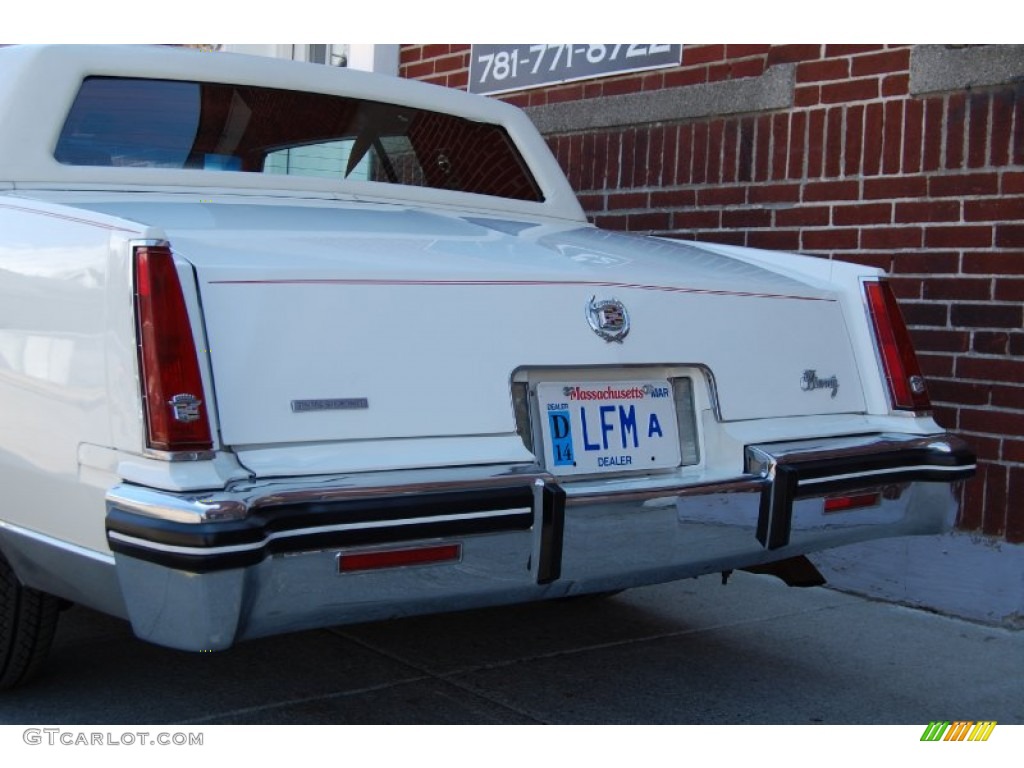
(201, 571)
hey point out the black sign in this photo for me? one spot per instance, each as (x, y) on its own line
(500, 68)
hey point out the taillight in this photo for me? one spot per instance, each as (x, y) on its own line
(176, 416)
(907, 390)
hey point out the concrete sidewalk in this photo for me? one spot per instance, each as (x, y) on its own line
(692, 652)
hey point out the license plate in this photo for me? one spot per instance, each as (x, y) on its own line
(604, 427)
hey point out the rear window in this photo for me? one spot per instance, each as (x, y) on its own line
(141, 123)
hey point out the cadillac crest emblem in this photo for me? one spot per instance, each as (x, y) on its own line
(608, 318)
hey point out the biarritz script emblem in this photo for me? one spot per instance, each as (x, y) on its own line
(811, 382)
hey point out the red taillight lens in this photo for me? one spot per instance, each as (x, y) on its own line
(395, 558)
(907, 389)
(176, 416)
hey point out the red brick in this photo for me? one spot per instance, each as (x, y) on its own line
(925, 211)
(652, 81)
(721, 236)
(762, 155)
(1013, 450)
(571, 93)
(459, 79)
(985, 263)
(893, 146)
(895, 187)
(944, 416)
(829, 239)
(957, 237)
(739, 51)
(790, 54)
(640, 157)
(970, 515)
(746, 217)
(925, 314)
(655, 155)
(953, 391)
(1009, 290)
(639, 222)
(958, 289)
(990, 342)
(620, 86)
(963, 185)
(589, 162)
(848, 50)
(994, 209)
(993, 522)
(977, 139)
(877, 63)
(854, 139)
(745, 159)
(670, 141)
(913, 130)
(927, 262)
(941, 341)
(804, 216)
(1014, 531)
(730, 140)
(616, 223)
(517, 99)
(684, 161)
(825, 69)
(732, 195)
(873, 139)
(834, 142)
(936, 365)
(409, 53)
(673, 198)
(716, 136)
(895, 85)
(890, 237)
(702, 54)
(1008, 397)
(449, 64)
(702, 219)
(774, 193)
(592, 203)
(797, 129)
(986, 315)
(806, 96)
(817, 191)
(774, 239)
(623, 200)
(956, 116)
(780, 151)
(1010, 235)
(700, 153)
(1013, 183)
(875, 260)
(1002, 119)
(815, 142)
(680, 77)
(431, 51)
(907, 289)
(419, 70)
(1017, 142)
(850, 90)
(864, 213)
(932, 155)
(1017, 344)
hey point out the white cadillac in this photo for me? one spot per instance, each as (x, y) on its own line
(285, 346)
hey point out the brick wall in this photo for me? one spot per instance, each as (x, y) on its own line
(879, 157)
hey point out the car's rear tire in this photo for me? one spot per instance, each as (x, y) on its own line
(28, 620)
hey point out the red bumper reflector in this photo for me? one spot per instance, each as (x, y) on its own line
(846, 503)
(394, 558)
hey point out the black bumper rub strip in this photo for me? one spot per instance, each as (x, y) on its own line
(214, 546)
(803, 475)
(549, 568)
